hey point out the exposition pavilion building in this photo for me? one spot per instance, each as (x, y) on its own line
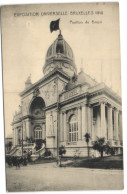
(64, 105)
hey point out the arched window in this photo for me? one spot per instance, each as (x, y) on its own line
(73, 129)
(59, 47)
(38, 133)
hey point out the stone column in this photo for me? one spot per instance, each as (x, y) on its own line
(61, 128)
(14, 137)
(120, 126)
(84, 120)
(116, 124)
(92, 133)
(89, 119)
(24, 130)
(103, 125)
(28, 128)
(22, 134)
(110, 127)
(79, 124)
(44, 131)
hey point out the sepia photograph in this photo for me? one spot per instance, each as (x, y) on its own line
(62, 97)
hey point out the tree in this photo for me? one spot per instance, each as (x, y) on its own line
(109, 149)
(87, 139)
(62, 151)
(99, 145)
(8, 146)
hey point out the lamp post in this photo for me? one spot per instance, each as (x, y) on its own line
(22, 138)
(58, 125)
(22, 125)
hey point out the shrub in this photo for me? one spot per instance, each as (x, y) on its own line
(62, 150)
(99, 145)
(47, 153)
(29, 156)
(77, 153)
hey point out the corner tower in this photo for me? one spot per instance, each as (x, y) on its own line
(60, 56)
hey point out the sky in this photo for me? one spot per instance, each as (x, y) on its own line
(25, 40)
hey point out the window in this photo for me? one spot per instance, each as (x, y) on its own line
(59, 47)
(73, 129)
(38, 133)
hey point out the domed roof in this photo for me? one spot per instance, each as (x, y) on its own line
(59, 51)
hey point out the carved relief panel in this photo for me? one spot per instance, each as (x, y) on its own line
(25, 104)
(51, 123)
(49, 92)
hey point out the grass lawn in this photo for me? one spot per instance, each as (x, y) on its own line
(109, 162)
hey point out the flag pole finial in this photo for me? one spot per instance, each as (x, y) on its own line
(59, 31)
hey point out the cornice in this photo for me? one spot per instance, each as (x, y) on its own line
(74, 99)
(106, 91)
(25, 117)
(51, 106)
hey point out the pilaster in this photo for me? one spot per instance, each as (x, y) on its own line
(61, 127)
(110, 127)
(14, 143)
(79, 124)
(84, 120)
(116, 124)
(65, 126)
(120, 126)
(89, 119)
(103, 124)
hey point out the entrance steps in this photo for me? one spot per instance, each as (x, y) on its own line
(17, 150)
(39, 153)
(27, 148)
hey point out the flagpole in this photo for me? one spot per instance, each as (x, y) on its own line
(59, 31)
(101, 72)
(58, 118)
(22, 126)
(54, 25)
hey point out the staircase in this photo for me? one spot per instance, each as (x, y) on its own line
(36, 154)
(27, 148)
(17, 150)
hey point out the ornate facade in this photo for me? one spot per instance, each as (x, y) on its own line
(63, 105)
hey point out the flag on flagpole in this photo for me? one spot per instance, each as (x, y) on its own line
(54, 25)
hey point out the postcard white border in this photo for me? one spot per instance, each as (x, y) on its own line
(123, 37)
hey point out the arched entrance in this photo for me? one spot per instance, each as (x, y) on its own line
(37, 108)
(37, 112)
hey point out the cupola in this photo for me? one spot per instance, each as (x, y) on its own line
(60, 55)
